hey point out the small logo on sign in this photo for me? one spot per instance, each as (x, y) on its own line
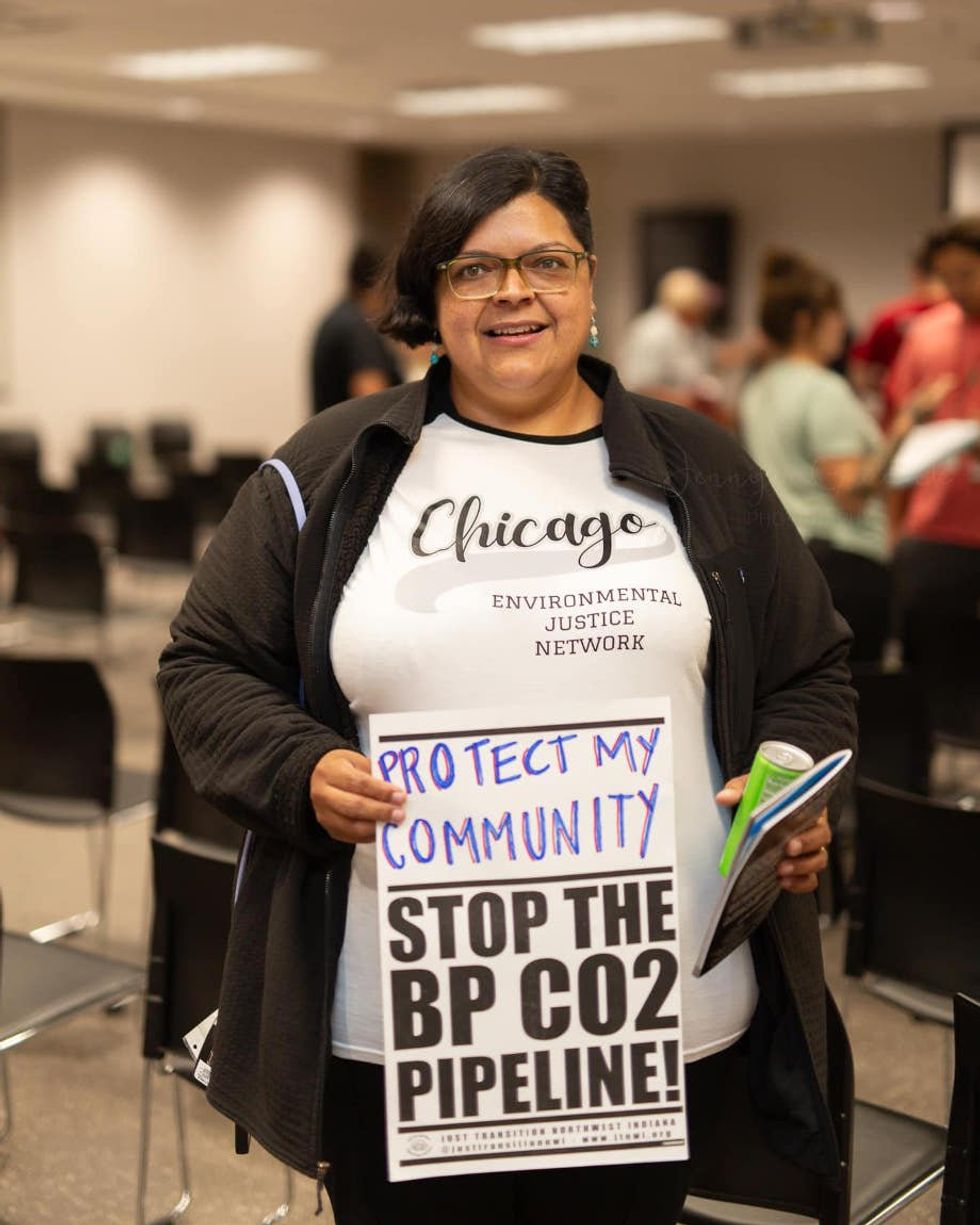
(418, 1146)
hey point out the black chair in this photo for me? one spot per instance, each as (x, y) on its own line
(193, 883)
(914, 905)
(57, 762)
(171, 441)
(59, 570)
(887, 1159)
(894, 737)
(42, 985)
(101, 488)
(961, 1184)
(157, 530)
(233, 470)
(20, 456)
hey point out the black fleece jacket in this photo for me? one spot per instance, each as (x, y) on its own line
(255, 626)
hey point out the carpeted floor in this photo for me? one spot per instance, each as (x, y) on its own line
(72, 1153)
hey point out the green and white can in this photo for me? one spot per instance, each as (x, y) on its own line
(776, 764)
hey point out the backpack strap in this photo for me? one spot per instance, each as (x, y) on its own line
(299, 510)
(292, 488)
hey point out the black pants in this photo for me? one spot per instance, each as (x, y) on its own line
(360, 1193)
(937, 591)
(861, 589)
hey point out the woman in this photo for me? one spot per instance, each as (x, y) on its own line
(819, 446)
(496, 273)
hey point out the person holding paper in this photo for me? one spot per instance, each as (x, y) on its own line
(516, 526)
(819, 445)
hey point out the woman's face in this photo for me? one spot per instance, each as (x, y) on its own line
(479, 335)
(829, 332)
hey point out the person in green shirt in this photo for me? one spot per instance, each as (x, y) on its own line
(821, 449)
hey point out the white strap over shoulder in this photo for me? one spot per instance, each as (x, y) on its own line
(292, 488)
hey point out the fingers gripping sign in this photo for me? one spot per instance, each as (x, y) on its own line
(349, 802)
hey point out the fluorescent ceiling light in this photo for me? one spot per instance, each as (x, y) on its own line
(201, 63)
(478, 100)
(826, 79)
(600, 32)
(896, 10)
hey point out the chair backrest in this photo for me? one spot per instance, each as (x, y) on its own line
(59, 569)
(57, 729)
(193, 883)
(170, 441)
(156, 529)
(914, 905)
(733, 1162)
(180, 808)
(961, 1182)
(894, 741)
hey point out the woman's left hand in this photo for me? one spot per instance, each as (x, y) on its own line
(805, 855)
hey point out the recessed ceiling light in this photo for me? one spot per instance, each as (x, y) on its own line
(598, 32)
(201, 63)
(823, 79)
(478, 100)
(896, 10)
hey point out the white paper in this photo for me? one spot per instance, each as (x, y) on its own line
(927, 445)
(529, 949)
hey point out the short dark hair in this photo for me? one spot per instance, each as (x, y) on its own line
(791, 286)
(365, 268)
(963, 232)
(455, 204)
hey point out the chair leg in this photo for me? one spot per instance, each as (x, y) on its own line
(8, 1107)
(100, 859)
(183, 1203)
(280, 1213)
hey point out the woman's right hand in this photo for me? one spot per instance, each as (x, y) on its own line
(348, 800)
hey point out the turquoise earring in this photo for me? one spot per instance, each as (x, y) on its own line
(593, 333)
(434, 355)
(434, 358)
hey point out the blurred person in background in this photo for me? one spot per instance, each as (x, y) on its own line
(873, 354)
(819, 446)
(349, 357)
(938, 558)
(668, 353)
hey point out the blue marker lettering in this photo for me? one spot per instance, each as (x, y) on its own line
(410, 769)
(526, 759)
(386, 829)
(499, 761)
(564, 833)
(466, 837)
(649, 748)
(474, 750)
(542, 847)
(442, 768)
(621, 817)
(504, 830)
(650, 804)
(622, 741)
(559, 742)
(418, 824)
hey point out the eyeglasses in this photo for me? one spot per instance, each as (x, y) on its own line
(482, 276)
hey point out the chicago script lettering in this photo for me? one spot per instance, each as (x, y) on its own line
(442, 528)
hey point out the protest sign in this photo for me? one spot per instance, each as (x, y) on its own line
(529, 948)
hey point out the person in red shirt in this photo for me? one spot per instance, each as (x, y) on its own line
(873, 353)
(937, 563)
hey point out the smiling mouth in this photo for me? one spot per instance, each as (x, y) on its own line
(520, 329)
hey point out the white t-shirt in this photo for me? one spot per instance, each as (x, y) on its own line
(504, 568)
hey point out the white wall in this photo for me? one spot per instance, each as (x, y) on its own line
(856, 203)
(159, 268)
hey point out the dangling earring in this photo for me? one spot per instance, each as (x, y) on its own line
(435, 355)
(434, 358)
(593, 333)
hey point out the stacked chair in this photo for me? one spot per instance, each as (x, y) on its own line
(194, 857)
